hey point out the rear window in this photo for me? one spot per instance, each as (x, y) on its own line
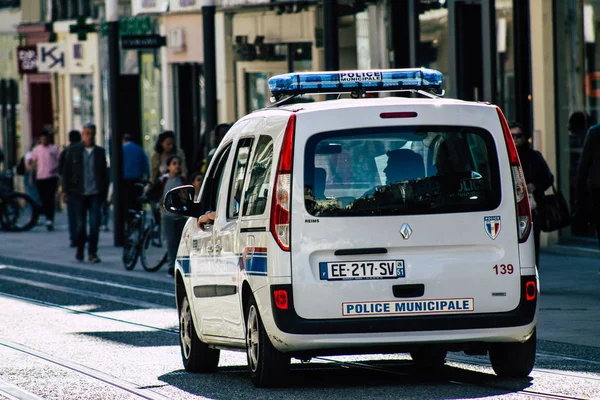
(401, 171)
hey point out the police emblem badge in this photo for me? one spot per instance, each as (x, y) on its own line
(492, 226)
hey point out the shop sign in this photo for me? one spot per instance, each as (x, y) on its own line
(137, 42)
(149, 6)
(51, 57)
(27, 59)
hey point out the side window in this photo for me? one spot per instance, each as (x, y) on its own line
(238, 174)
(212, 186)
(255, 200)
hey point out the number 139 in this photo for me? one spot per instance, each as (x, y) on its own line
(503, 269)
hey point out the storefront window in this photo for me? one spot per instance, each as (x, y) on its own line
(505, 57)
(82, 97)
(258, 90)
(151, 105)
(433, 46)
(578, 85)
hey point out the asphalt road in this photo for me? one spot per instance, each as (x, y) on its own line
(80, 331)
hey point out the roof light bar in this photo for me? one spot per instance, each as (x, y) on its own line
(356, 82)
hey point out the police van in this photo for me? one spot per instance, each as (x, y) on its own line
(360, 224)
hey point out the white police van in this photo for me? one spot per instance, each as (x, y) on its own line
(360, 225)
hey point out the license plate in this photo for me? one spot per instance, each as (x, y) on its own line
(350, 270)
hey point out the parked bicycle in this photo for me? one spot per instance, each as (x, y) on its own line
(144, 236)
(18, 211)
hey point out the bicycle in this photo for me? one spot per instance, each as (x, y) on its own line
(144, 237)
(18, 211)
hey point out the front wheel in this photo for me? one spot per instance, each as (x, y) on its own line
(513, 360)
(268, 366)
(154, 249)
(131, 246)
(196, 355)
(18, 212)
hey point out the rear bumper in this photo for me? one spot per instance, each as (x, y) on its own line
(288, 321)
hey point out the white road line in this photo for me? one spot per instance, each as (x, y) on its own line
(94, 281)
(92, 373)
(86, 293)
(13, 392)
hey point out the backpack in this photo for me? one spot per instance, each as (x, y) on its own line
(21, 166)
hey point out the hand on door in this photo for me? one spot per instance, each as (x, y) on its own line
(207, 219)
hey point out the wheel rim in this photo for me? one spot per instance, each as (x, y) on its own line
(185, 328)
(252, 338)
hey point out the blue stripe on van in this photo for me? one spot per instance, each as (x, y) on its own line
(185, 264)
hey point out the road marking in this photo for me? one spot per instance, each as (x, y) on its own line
(173, 331)
(92, 373)
(76, 278)
(13, 392)
(85, 293)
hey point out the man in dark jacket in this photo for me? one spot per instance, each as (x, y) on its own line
(537, 176)
(588, 179)
(74, 138)
(85, 180)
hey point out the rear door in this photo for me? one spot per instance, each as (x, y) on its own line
(403, 216)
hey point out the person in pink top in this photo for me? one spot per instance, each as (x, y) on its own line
(45, 158)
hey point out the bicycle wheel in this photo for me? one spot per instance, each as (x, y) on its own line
(19, 212)
(131, 248)
(154, 248)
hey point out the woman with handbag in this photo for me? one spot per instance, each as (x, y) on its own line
(537, 175)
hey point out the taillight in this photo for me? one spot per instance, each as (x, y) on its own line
(520, 186)
(530, 290)
(280, 297)
(280, 209)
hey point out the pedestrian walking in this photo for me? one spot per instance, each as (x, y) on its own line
(28, 170)
(537, 176)
(588, 180)
(74, 138)
(85, 181)
(172, 224)
(197, 178)
(135, 169)
(216, 136)
(45, 158)
(165, 147)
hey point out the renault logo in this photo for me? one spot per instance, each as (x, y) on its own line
(405, 231)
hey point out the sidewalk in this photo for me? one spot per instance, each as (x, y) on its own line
(570, 284)
(40, 246)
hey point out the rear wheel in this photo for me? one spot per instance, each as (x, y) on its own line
(154, 249)
(513, 360)
(131, 246)
(18, 213)
(268, 366)
(196, 355)
(429, 357)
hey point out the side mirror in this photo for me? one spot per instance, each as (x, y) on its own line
(180, 200)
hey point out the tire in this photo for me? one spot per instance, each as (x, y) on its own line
(268, 366)
(513, 360)
(428, 356)
(154, 253)
(131, 247)
(19, 212)
(195, 354)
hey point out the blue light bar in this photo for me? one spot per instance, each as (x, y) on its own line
(356, 81)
